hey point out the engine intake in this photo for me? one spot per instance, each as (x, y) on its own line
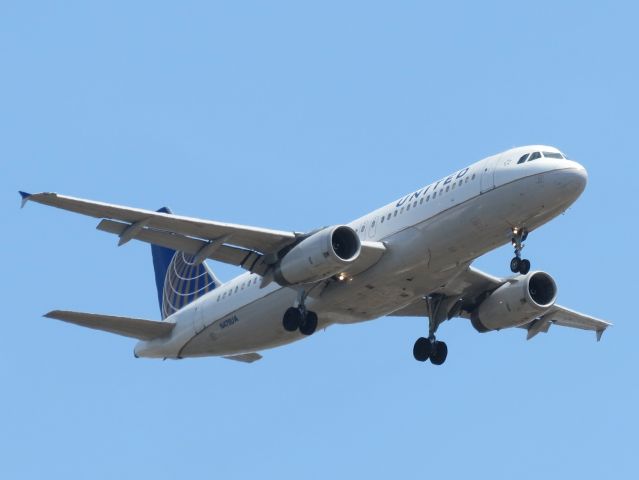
(320, 256)
(517, 302)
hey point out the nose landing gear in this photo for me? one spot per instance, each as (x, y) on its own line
(517, 264)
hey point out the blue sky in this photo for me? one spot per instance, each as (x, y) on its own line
(294, 116)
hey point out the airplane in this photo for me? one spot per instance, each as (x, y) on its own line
(411, 257)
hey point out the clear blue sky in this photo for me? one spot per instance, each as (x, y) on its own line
(288, 116)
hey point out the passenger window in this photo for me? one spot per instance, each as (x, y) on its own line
(402, 210)
(453, 187)
(388, 218)
(408, 207)
(523, 158)
(434, 194)
(421, 200)
(236, 289)
(361, 229)
(382, 220)
(395, 214)
(415, 204)
(461, 182)
(473, 177)
(534, 156)
(428, 198)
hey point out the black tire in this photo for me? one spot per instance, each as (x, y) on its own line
(524, 267)
(422, 349)
(309, 324)
(515, 264)
(439, 353)
(292, 319)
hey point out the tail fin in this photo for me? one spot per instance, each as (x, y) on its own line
(178, 279)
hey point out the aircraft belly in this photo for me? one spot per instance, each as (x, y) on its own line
(256, 326)
(484, 223)
(418, 260)
(422, 258)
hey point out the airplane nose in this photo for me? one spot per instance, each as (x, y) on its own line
(571, 177)
(579, 175)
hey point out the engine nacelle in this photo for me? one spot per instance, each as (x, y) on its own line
(320, 256)
(516, 302)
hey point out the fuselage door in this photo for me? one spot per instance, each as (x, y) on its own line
(487, 179)
(198, 321)
(372, 227)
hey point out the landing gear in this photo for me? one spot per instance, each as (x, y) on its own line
(426, 348)
(439, 353)
(438, 310)
(517, 264)
(292, 319)
(422, 349)
(309, 324)
(299, 318)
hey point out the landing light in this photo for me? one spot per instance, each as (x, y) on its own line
(342, 277)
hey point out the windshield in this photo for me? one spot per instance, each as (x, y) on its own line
(553, 155)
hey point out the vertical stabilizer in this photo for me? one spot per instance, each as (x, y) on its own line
(178, 279)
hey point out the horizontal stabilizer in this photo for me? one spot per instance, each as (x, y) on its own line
(129, 327)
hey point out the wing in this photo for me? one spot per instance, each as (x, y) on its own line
(129, 327)
(252, 248)
(472, 285)
(238, 245)
(565, 317)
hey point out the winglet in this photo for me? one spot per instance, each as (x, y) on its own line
(25, 198)
(600, 333)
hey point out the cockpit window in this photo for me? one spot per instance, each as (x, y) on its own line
(523, 158)
(534, 156)
(553, 155)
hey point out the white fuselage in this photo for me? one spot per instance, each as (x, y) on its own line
(430, 235)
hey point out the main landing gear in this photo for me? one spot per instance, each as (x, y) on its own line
(440, 308)
(300, 318)
(517, 264)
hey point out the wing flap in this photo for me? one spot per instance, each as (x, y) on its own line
(254, 238)
(566, 317)
(126, 326)
(240, 257)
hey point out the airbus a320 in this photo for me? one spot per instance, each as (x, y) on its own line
(411, 257)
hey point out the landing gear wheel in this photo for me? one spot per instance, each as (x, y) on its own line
(524, 266)
(422, 349)
(309, 324)
(292, 319)
(439, 353)
(515, 264)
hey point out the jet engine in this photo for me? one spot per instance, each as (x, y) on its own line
(320, 256)
(517, 302)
